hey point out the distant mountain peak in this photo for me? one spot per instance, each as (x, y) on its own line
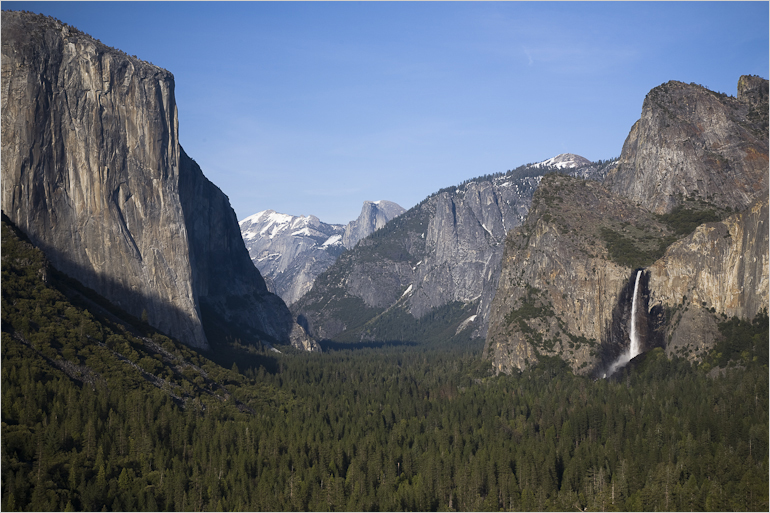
(564, 161)
(290, 251)
(269, 223)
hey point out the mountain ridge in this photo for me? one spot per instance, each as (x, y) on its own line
(444, 251)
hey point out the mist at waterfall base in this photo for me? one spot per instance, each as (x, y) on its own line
(634, 347)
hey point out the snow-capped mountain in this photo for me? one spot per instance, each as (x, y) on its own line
(577, 166)
(291, 251)
(564, 161)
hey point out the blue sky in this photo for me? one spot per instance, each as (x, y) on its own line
(312, 108)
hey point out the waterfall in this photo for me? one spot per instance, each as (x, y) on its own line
(634, 347)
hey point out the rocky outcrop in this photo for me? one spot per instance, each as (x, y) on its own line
(721, 267)
(374, 215)
(444, 251)
(291, 251)
(694, 143)
(559, 284)
(93, 173)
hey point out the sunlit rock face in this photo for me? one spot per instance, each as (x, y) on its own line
(694, 143)
(560, 293)
(90, 168)
(692, 147)
(93, 173)
(721, 266)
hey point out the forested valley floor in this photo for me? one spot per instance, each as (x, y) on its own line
(100, 412)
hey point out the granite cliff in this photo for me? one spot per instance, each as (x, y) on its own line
(93, 173)
(442, 258)
(291, 251)
(691, 142)
(560, 278)
(568, 273)
(721, 268)
(374, 215)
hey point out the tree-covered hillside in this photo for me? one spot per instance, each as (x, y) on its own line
(100, 412)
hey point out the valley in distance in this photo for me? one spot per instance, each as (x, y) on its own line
(562, 335)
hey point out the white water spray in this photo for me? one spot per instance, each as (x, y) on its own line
(634, 347)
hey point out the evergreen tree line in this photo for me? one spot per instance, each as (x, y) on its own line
(390, 429)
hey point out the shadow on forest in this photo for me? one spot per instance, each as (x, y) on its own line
(330, 345)
(226, 355)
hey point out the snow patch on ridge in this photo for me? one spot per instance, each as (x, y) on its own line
(333, 240)
(271, 255)
(467, 322)
(303, 231)
(564, 161)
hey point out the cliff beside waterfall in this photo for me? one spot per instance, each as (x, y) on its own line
(687, 202)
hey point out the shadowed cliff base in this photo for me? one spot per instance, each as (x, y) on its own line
(227, 345)
(218, 331)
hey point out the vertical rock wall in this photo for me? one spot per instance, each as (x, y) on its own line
(694, 143)
(90, 168)
(721, 267)
(93, 173)
(225, 282)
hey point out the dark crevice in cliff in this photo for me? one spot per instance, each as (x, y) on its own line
(124, 230)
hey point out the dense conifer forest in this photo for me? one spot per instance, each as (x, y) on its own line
(100, 412)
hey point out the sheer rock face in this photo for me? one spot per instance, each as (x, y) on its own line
(93, 173)
(464, 243)
(90, 167)
(721, 265)
(694, 143)
(373, 216)
(225, 282)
